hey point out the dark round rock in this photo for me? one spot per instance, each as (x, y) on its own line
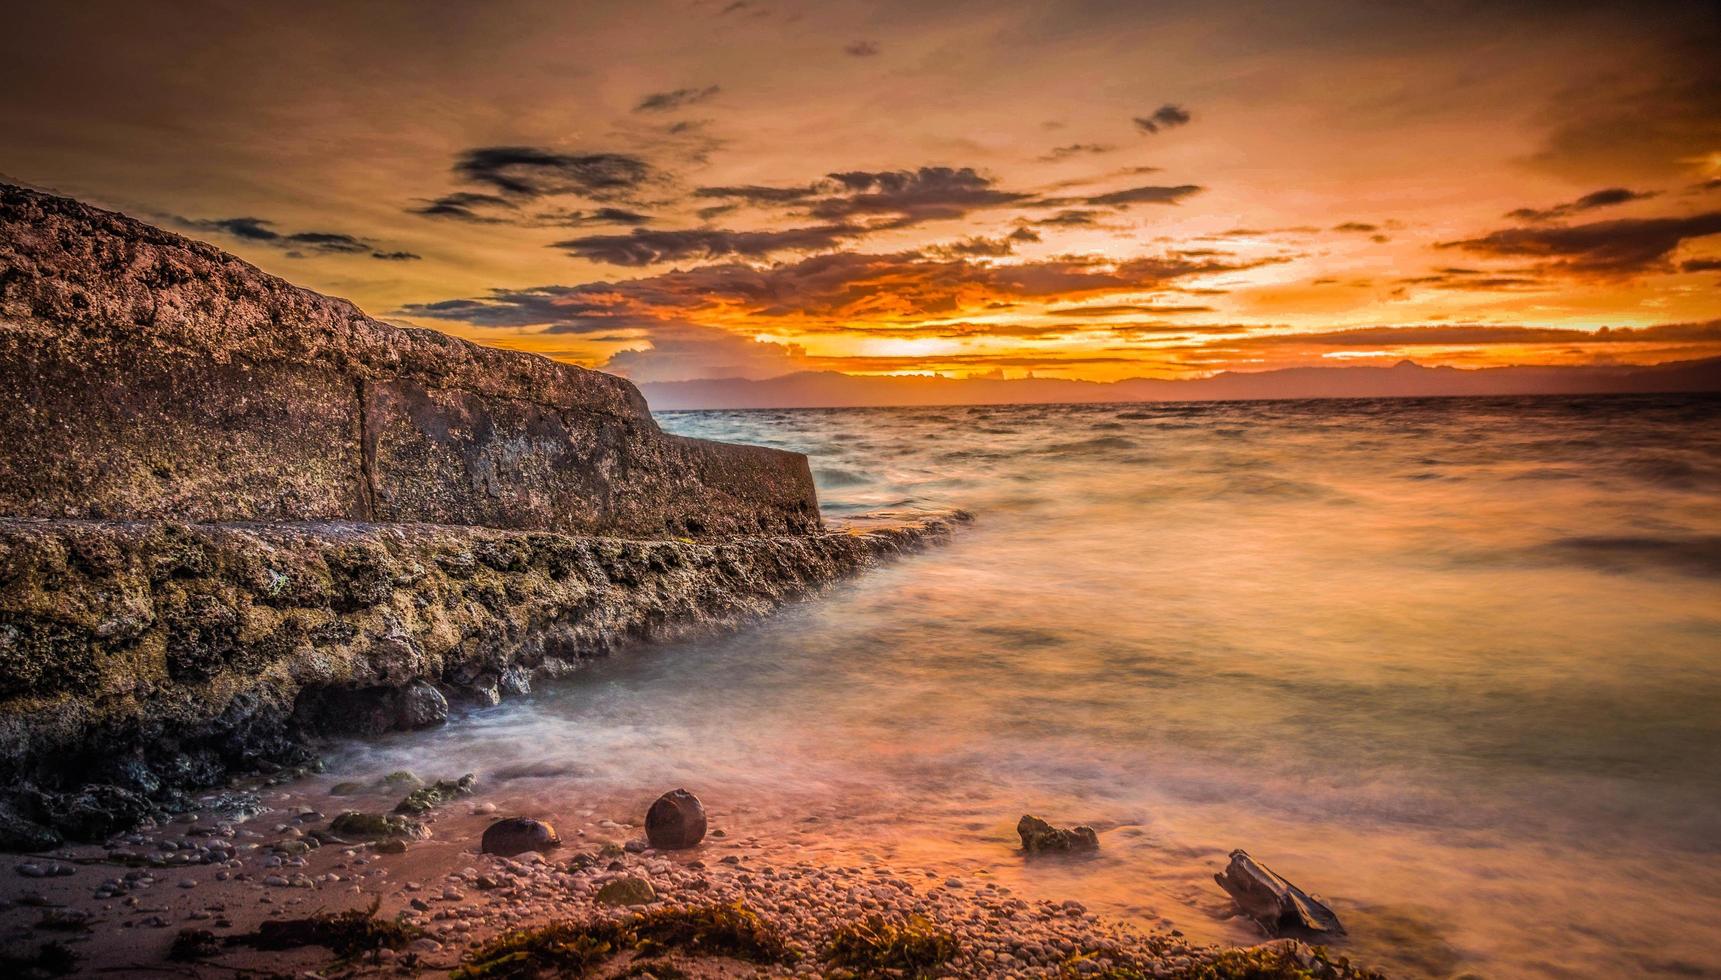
(675, 821)
(517, 835)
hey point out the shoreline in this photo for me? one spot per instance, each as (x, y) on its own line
(204, 882)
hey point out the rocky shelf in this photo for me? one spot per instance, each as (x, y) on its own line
(236, 515)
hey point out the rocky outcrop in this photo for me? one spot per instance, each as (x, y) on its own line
(236, 515)
(147, 376)
(139, 659)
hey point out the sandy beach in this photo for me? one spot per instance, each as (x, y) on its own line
(188, 898)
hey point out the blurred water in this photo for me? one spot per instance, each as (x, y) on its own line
(1454, 664)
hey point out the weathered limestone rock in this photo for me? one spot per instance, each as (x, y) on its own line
(147, 376)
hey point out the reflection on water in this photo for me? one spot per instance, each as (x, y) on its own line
(1453, 664)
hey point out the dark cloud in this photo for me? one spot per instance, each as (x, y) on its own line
(466, 206)
(1357, 226)
(1075, 150)
(648, 247)
(680, 98)
(982, 247)
(1478, 335)
(326, 241)
(532, 172)
(835, 289)
(1070, 218)
(1167, 116)
(1478, 279)
(250, 229)
(1262, 232)
(595, 216)
(1150, 194)
(759, 195)
(1608, 249)
(861, 49)
(911, 196)
(1607, 197)
(847, 205)
(883, 198)
(1700, 265)
(1124, 309)
(297, 244)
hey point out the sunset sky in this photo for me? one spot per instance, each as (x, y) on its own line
(698, 189)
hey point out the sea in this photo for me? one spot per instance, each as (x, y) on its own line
(1453, 665)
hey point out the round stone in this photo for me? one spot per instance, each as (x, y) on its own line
(675, 821)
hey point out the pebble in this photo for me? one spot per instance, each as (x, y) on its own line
(45, 869)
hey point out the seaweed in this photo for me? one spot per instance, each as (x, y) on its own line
(565, 949)
(881, 947)
(49, 960)
(193, 944)
(346, 934)
(1274, 961)
(574, 949)
(713, 930)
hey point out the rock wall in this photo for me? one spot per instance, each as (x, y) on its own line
(236, 515)
(147, 376)
(142, 659)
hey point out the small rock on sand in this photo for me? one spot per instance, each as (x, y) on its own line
(517, 835)
(1038, 836)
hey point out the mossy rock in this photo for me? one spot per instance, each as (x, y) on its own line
(356, 824)
(401, 777)
(627, 891)
(427, 798)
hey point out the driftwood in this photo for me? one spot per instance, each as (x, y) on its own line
(1281, 908)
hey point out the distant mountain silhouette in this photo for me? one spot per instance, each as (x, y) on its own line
(1406, 379)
